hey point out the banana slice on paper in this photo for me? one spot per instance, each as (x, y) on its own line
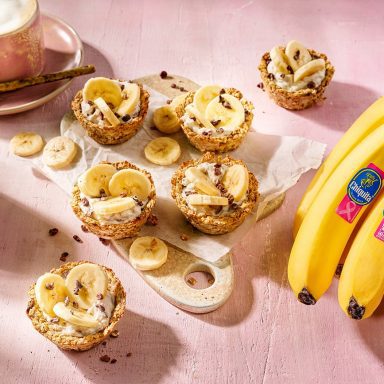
(236, 181)
(131, 97)
(202, 182)
(102, 87)
(280, 60)
(107, 112)
(297, 54)
(227, 111)
(75, 316)
(309, 69)
(26, 144)
(166, 120)
(178, 100)
(95, 181)
(199, 116)
(147, 253)
(49, 290)
(59, 152)
(198, 199)
(162, 151)
(84, 282)
(204, 96)
(113, 205)
(130, 182)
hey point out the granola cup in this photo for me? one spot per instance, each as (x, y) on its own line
(109, 134)
(303, 98)
(68, 342)
(214, 225)
(121, 230)
(222, 143)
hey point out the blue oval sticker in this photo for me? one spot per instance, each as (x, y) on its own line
(364, 186)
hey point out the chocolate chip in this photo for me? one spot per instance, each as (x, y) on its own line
(122, 86)
(290, 69)
(113, 361)
(53, 231)
(169, 101)
(75, 304)
(101, 307)
(260, 85)
(77, 238)
(163, 74)
(125, 118)
(182, 89)
(104, 343)
(222, 91)
(105, 358)
(64, 256)
(102, 193)
(271, 76)
(50, 286)
(311, 85)
(104, 241)
(217, 171)
(282, 75)
(173, 85)
(90, 102)
(78, 287)
(84, 228)
(220, 130)
(85, 202)
(99, 296)
(297, 55)
(114, 333)
(215, 122)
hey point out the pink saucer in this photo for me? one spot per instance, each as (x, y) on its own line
(63, 50)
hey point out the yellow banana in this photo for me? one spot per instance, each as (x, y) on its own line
(368, 121)
(361, 285)
(332, 217)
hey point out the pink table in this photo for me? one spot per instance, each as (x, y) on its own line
(262, 335)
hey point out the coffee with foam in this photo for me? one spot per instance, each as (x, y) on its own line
(14, 14)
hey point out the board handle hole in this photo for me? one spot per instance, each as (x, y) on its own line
(199, 277)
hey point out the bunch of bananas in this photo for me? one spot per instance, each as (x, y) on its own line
(341, 214)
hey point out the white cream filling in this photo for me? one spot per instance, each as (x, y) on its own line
(93, 114)
(286, 81)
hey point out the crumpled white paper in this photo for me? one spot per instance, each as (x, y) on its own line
(276, 161)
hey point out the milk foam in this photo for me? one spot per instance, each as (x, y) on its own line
(15, 13)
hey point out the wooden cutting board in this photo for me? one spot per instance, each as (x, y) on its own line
(169, 281)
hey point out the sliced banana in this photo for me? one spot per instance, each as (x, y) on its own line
(131, 97)
(297, 54)
(199, 116)
(26, 144)
(84, 282)
(227, 111)
(166, 120)
(178, 100)
(59, 152)
(75, 316)
(309, 69)
(102, 87)
(162, 151)
(113, 205)
(49, 290)
(198, 199)
(202, 182)
(147, 253)
(131, 182)
(95, 180)
(280, 60)
(204, 96)
(107, 112)
(236, 181)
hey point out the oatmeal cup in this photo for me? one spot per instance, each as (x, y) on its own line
(111, 111)
(215, 119)
(295, 77)
(215, 193)
(114, 200)
(77, 305)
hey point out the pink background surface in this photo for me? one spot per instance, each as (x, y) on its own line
(262, 334)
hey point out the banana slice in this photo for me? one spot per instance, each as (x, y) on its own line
(297, 54)
(199, 116)
(130, 182)
(227, 111)
(309, 69)
(107, 112)
(280, 60)
(147, 253)
(204, 96)
(59, 152)
(198, 199)
(178, 100)
(26, 144)
(102, 87)
(202, 182)
(166, 120)
(236, 181)
(84, 282)
(49, 290)
(162, 151)
(96, 180)
(131, 97)
(74, 316)
(113, 205)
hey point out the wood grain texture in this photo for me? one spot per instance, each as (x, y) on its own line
(262, 335)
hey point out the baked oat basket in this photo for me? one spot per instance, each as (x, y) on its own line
(303, 98)
(108, 134)
(50, 330)
(218, 144)
(214, 225)
(116, 231)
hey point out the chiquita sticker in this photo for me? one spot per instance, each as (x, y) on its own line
(361, 190)
(379, 234)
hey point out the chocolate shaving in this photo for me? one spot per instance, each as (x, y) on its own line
(54, 320)
(215, 122)
(78, 287)
(104, 241)
(53, 231)
(99, 296)
(222, 91)
(113, 361)
(101, 307)
(271, 76)
(50, 286)
(105, 358)
(297, 55)
(77, 238)
(290, 69)
(66, 301)
(311, 85)
(84, 228)
(85, 202)
(64, 256)
(260, 85)
(75, 304)
(125, 118)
